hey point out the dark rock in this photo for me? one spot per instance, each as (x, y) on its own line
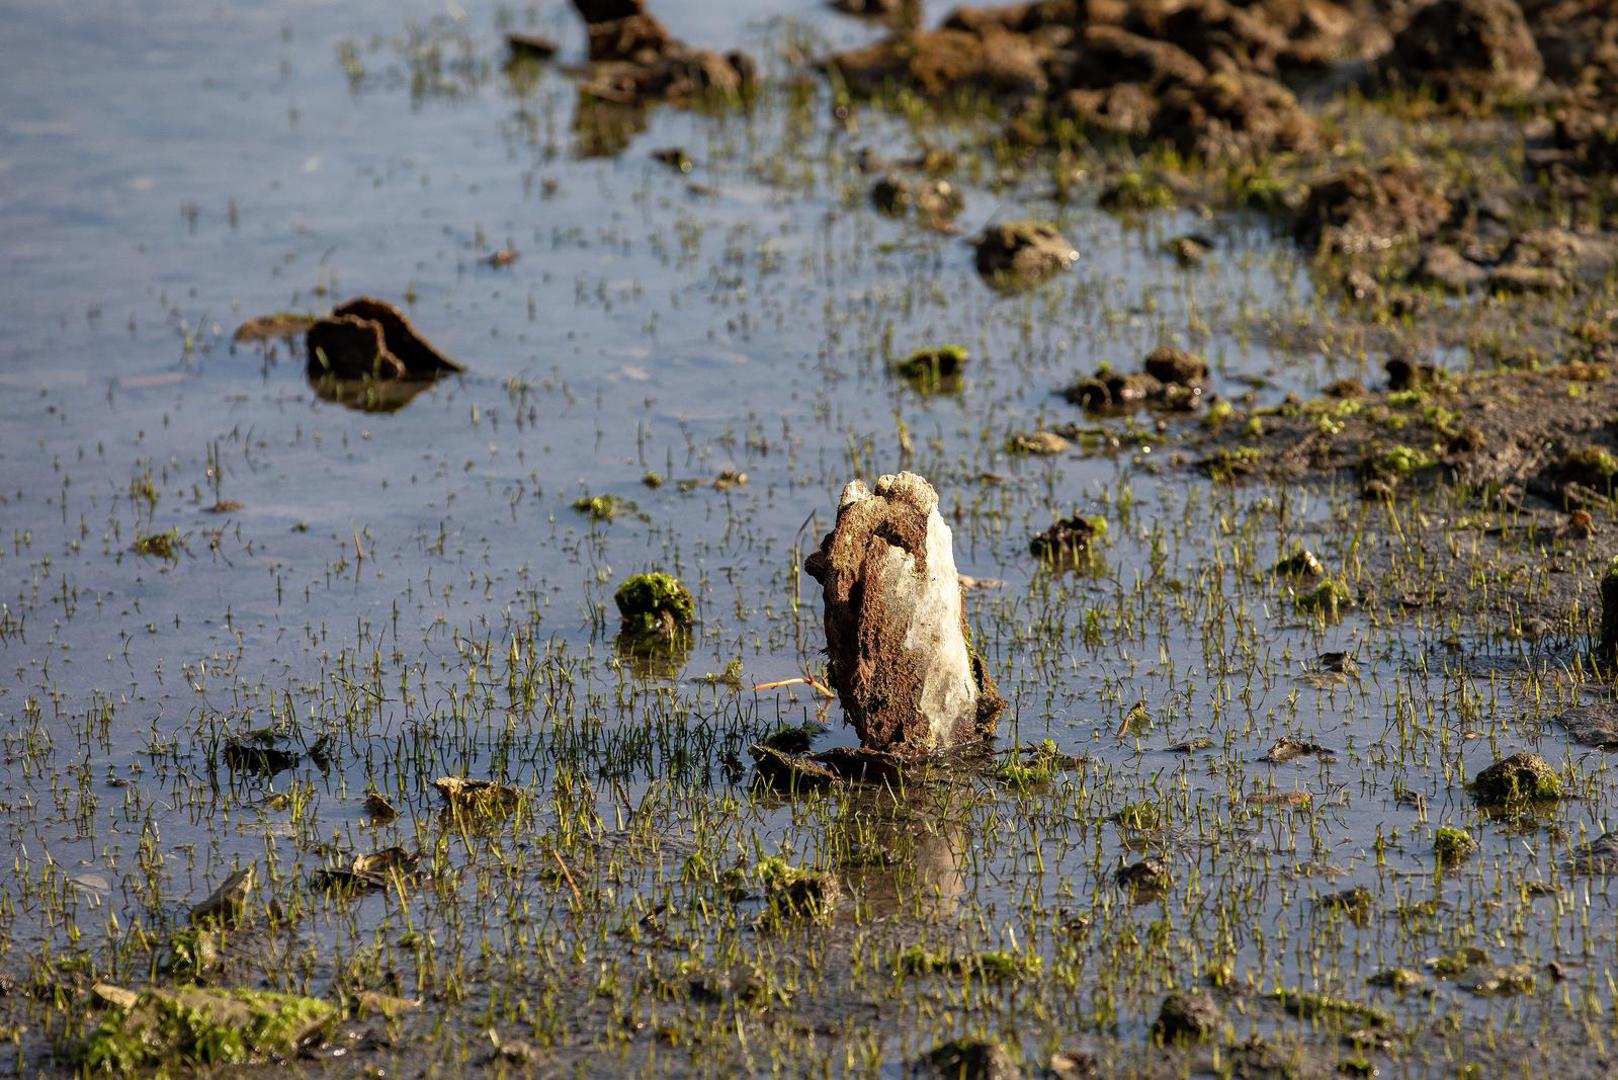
(1517, 780)
(1359, 210)
(1022, 252)
(1191, 1016)
(1177, 367)
(1064, 541)
(971, 1059)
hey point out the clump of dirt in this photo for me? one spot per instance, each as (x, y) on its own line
(367, 338)
(898, 645)
(634, 59)
(1065, 541)
(1172, 379)
(1464, 48)
(940, 62)
(1361, 210)
(1189, 1016)
(936, 202)
(1520, 779)
(1018, 253)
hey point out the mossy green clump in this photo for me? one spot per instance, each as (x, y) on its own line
(1595, 462)
(1401, 460)
(1229, 464)
(164, 545)
(1457, 961)
(1397, 978)
(655, 603)
(1134, 192)
(598, 507)
(197, 1027)
(1038, 767)
(793, 892)
(1219, 413)
(1141, 816)
(1309, 1005)
(1326, 598)
(993, 965)
(1519, 780)
(934, 368)
(1451, 844)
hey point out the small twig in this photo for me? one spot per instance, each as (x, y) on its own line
(358, 550)
(557, 855)
(801, 680)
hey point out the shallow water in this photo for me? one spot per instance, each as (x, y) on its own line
(417, 586)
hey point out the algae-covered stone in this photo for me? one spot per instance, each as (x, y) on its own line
(1451, 845)
(198, 1027)
(1187, 1017)
(1519, 779)
(655, 603)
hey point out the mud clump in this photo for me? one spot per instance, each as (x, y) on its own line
(634, 59)
(936, 202)
(367, 338)
(1608, 642)
(1064, 542)
(1520, 779)
(1361, 211)
(969, 1059)
(1187, 1017)
(1464, 49)
(896, 635)
(936, 63)
(1176, 367)
(1019, 253)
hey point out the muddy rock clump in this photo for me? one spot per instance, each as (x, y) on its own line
(1361, 210)
(1187, 1017)
(367, 338)
(1464, 49)
(937, 63)
(635, 59)
(1022, 252)
(896, 634)
(1521, 779)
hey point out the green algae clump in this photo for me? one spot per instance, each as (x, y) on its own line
(655, 604)
(1519, 779)
(199, 1027)
(1451, 844)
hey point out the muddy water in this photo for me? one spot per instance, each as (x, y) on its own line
(417, 587)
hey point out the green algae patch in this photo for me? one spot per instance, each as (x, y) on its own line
(1451, 845)
(1309, 1005)
(1326, 598)
(793, 892)
(198, 1027)
(655, 603)
(1517, 780)
(598, 507)
(1400, 460)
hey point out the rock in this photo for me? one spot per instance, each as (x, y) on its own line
(1443, 266)
(1023, 252)
(1302, 563)
(896, 634)
(1177, 367)
(1600, 856)
(1286, 749)
(936, 63)
(1190, 1016)
(367, 338)
(654, 604)
(1037, 443)
(1464, 48)
(1144, 880)
(1359, 210)
(1113, 391)
(1607, 650)
(227, 903)
(1234, 115)
(1520, 779)
(935, 201)
(971, 1059)
(1407, 374)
